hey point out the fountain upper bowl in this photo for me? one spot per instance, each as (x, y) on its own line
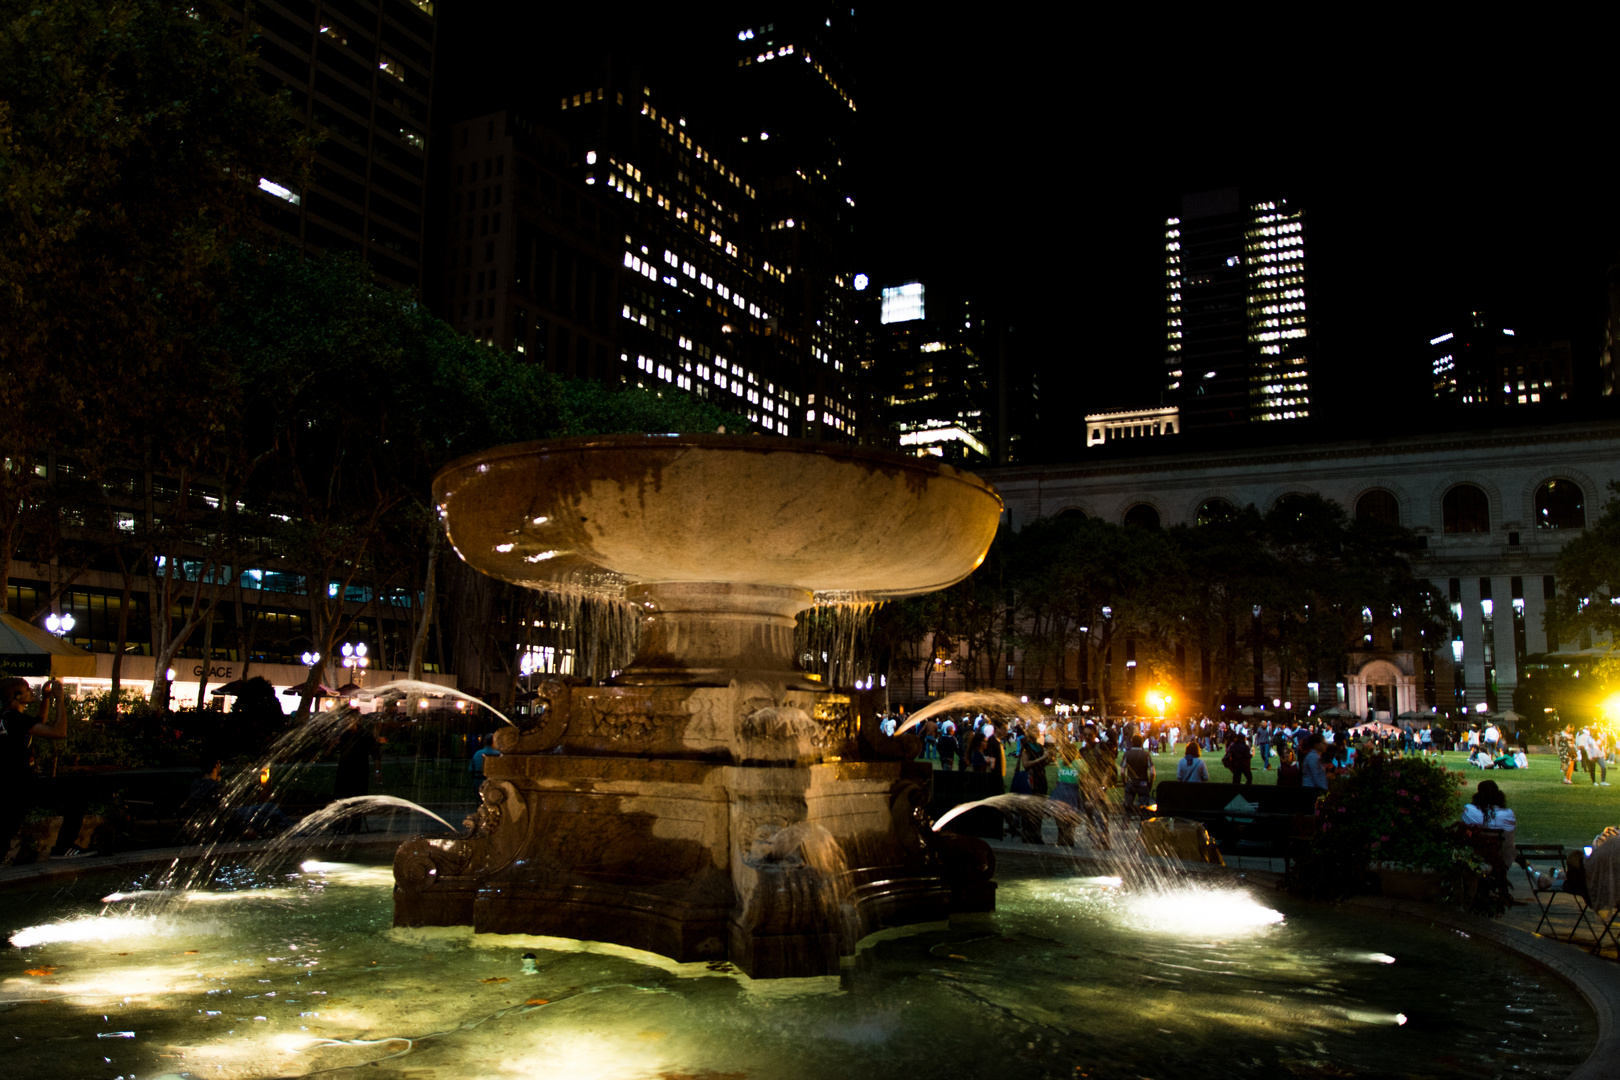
(602, 512)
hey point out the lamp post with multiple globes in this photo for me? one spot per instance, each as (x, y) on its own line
(355, 659)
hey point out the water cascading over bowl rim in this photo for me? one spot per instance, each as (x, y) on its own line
(710, 802)
(717, 541)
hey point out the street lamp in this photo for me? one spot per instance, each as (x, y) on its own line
(310, 659)
(355, 659)
(59, 624)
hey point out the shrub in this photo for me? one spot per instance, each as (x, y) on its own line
(1395, 812)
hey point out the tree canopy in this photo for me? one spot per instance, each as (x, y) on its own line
(1074, 595)
(132, 137)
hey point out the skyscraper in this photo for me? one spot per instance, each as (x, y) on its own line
(1237, 340)
(943, 364)
(789, 98)
(1478, 361)
(360, 75)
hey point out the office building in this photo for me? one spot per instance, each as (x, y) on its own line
(1610, 355)
(533, 258)
(788, 98)
(943, 368)
(1237, 341)
(1478, 361)
(360, 76)
(620, 244)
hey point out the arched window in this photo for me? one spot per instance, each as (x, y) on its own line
(1071, 514)
(1560, 504)
(1379, 506)
(1142, 516)
(1214, 511)
(1466, 509)
(1291, 507)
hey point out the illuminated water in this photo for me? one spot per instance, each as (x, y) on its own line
(289, 973)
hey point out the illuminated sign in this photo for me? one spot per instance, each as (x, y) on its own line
(902, 303)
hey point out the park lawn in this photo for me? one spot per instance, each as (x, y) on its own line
(1547, 810)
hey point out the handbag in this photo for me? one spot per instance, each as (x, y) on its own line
(1020, 783)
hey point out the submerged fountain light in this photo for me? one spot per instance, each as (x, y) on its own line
(1221, 912)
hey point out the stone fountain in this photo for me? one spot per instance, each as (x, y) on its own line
(712, 801)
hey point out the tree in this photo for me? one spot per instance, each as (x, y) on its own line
(354, 396)
(132, 137)
(1588, 575)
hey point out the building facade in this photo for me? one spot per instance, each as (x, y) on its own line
(1131, 424)
(938, 362)
(1477, 361)
(360, 77)
(789, 101)
(618, 243)
(1237, 337)
(1493, 510)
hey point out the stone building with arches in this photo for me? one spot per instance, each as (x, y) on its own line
(1493, 508)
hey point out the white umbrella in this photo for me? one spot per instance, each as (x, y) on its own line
(25, 649)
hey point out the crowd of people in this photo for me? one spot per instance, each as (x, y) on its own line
(1092, 756)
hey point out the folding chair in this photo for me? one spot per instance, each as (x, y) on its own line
(1542, 889)
(1573, 886)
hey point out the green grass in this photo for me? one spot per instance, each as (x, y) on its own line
(1548, 811)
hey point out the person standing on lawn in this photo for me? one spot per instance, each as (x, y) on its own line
(1564, 742)
(1592, 757)
(1240, 759)
(1313, 772)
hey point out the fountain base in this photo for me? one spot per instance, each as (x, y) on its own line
(776, 849)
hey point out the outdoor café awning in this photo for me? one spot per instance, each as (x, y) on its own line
(321, 690)
(26, 649)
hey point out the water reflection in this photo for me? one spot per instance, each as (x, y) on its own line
(293, 969)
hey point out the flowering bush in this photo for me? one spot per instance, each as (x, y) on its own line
(1389, 812)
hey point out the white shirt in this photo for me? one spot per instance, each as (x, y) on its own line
(1493, 734)
(1502, 819)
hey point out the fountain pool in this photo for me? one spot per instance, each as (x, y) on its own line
(297, 971)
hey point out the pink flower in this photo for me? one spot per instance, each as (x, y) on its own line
(1383, 838)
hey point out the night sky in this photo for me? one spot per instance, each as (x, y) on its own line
(1035, 158)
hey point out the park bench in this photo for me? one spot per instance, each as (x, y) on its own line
(1262, 824)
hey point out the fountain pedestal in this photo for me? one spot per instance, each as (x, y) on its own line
(755, 849)
(712, 803)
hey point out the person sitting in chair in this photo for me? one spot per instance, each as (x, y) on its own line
(1488, 809)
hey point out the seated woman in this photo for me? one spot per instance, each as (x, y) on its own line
(1488, 809)
(1479, 759)
(1191, 768)
(1521, 760)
